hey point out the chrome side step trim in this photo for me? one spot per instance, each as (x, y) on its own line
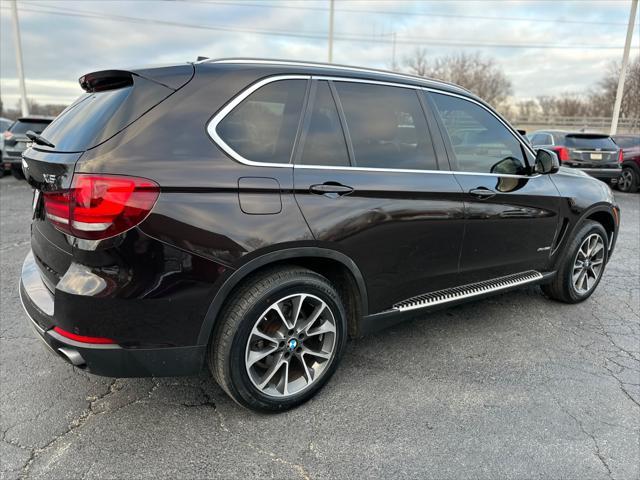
(467, 291)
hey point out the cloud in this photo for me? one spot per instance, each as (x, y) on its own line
(58, 48)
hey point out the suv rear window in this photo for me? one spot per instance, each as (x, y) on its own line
(23, 126)
(95, 117)
(263, 126)
(590, 142)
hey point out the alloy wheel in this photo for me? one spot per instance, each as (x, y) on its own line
(291, 345)
(588, 264)
(625, 180)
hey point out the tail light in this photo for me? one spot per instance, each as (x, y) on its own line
(82, 338)
(100, 206)
(7, 135)
(620, 156)
(563, 153)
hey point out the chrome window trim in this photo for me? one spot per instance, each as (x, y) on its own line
(235, 101)
(222, 113)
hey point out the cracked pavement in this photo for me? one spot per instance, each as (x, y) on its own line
(515, 386)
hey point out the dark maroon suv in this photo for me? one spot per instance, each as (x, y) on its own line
(629, 180)
(250, 215)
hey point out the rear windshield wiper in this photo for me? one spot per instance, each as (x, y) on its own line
(39, 139)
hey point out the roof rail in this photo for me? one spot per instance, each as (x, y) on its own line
(270, 61)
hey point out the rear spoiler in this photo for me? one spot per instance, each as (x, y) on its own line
(587, 135)
(172, 77)
(105, 80)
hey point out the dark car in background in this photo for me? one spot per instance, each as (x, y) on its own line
(250, 215)
(593, 153)
(5, 123)
(629, 180)
(15, 141)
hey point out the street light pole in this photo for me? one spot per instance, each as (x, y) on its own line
(18, 44)
(623, 70)
(331, 30)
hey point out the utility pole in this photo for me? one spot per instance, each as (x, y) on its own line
(18, 45)
(623, 70)
(393, 51)
(330, 30)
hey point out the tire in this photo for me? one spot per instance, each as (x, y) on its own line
(628, 181)
(250, 313)
(563, 287)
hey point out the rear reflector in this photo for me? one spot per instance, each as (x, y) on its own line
(100, 206)
(82, 338)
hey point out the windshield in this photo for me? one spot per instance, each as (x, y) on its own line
(590, 142)
(627, 142)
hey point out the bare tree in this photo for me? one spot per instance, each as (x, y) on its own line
(527, 108)
(602, 99)
(478, 74)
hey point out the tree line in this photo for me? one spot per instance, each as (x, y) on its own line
(482, 76)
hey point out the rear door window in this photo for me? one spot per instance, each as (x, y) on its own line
(262, 128)
(480, 142)
(324, 143)
(387, 126)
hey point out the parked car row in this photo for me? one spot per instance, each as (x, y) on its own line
(615, 160)
(14, 142)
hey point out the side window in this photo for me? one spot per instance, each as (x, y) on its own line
(324, 143)
(387, 126)
(537, 139)
(541, 139)
(263, 126)
(481, 143)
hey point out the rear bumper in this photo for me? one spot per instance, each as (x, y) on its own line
(602, 173)
(100, 359)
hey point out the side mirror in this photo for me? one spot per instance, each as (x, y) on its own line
(546, 161)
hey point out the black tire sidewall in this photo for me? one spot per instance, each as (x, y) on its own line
(239, 377)
(634, 180)
(586, 230)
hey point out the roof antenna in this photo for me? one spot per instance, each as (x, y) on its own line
(200, 58)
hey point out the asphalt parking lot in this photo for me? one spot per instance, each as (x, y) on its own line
(515, 386)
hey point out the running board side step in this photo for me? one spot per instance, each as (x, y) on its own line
(467, 291)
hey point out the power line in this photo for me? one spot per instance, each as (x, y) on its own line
(62, 11)
(404, 13)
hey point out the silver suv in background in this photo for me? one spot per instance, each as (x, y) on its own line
(594, 153)
(15, 141)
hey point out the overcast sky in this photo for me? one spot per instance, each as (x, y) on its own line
(64, 39)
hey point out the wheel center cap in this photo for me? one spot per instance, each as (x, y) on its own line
(292, 344)
(587, 264)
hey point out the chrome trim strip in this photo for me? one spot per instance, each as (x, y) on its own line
(467, 291)
(218, 117)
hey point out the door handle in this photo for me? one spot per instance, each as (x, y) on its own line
(482, 193)
(330, 189)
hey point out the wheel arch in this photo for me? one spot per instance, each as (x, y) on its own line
(335, 265)
(602, 214)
